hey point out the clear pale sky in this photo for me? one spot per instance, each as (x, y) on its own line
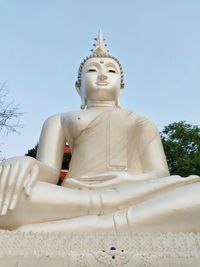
(43, 42)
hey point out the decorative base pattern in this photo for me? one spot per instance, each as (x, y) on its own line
(102, 249)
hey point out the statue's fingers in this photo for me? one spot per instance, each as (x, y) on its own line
(85, 177)
(32, 180)
(193, 176)
(26, 180)
(30, 177)
(12, 179)
(3, 182)
(71, 183)
(20, 175)
(192, 179)
(101, 177)
(109, 183)
(97, 175)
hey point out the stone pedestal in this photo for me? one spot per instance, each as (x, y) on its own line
(102, 249)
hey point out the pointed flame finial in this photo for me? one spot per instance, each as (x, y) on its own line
(100, 46)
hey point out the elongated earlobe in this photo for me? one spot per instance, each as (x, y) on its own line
(117, 103)
(83, 103)
(77, 85)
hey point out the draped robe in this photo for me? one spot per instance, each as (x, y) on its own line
(121, 139)
(114, 141)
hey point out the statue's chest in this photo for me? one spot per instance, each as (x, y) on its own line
(75, 123)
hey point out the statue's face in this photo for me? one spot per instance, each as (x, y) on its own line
(100, 79)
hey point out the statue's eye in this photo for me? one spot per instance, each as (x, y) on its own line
(113, 71)
(90, 70)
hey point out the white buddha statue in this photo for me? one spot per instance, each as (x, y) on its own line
(118, 177)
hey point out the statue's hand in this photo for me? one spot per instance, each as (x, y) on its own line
(113, 179)
(16, 174)
(106, 180)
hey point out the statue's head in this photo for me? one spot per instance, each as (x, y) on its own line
(100, 76)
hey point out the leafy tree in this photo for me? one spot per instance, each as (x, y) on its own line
(32, 152)
(181, 142)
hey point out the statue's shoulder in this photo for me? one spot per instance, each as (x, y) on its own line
(134, 116)
(147, 125)
(70, 115)
(53, 119)
(62, 118)
(142, 122)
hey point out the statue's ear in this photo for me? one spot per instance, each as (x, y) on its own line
(121, 90)
(78, 86)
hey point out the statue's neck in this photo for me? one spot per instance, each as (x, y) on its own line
(108, 104)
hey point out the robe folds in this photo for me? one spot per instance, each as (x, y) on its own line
(120, 137)
(154, 204)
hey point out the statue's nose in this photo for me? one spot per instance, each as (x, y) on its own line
(102, 77)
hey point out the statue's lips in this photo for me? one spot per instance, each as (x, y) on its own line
(102, 83)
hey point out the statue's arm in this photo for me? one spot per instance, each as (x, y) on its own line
(153, 158)
(19, 174)
(50, 149)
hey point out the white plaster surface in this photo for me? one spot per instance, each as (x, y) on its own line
(134, 250)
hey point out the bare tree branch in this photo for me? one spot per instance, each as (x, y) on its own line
(9, 113)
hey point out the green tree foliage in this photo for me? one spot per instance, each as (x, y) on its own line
(32, 152)
(181, 142)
